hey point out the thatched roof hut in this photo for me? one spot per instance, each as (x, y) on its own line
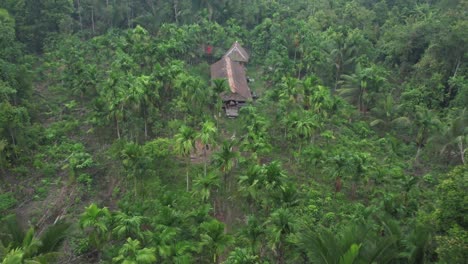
(234, 73)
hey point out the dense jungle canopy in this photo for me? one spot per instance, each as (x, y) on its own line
(114, 146)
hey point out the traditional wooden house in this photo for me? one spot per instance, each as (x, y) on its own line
(238, 54)
(239, 92)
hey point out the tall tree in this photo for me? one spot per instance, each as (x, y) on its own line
(184, 145)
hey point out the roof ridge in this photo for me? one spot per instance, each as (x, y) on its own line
(230, 78)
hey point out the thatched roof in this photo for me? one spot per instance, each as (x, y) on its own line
(228, 96)
(234, 72)
(237, 53)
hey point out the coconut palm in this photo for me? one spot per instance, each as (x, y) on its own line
(356, 86)
(184, 145)
(454, 137)
(425, 122)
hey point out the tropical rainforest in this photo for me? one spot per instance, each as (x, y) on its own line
(114, 147)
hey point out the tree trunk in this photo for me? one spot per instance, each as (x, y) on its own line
(135, 185)
(280, 256)
(353, 190)
(117, 126)
(92, 19)
(79, 14)
(416, 158)
(12, 135)
(337, 77)
(338, 184)
(204, 154)
(187, 172)
(146, 124)
(462, 151)
(176, 11)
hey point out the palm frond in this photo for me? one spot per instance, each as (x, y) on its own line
(53, 237)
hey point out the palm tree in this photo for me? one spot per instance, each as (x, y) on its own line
(274, 176)
(280, 224)
(219, 86)
(342, 165)
(241, 255)
(214, 239)
(304, 127)
(354, 89)
(249, 184)
(133, 160)
(18, 245)
(341, 55)
(95, 221)
(384, 113)
(226, 158)
(184, 145)
(205, 185)
(132, 253)
(355, 243)
(207, 137)
(127, 226)
(356, 86)
(454, 138)
(256, 139)
(301, 125)
(425, 122)
(164, 238)
(253, 231)
(417, 245)
(291, 90)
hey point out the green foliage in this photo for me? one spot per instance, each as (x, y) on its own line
(452, 203)
(452, 247)
(347, 155)
(131, 252)
(95, 222)
(19, 245)
(7, 201)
